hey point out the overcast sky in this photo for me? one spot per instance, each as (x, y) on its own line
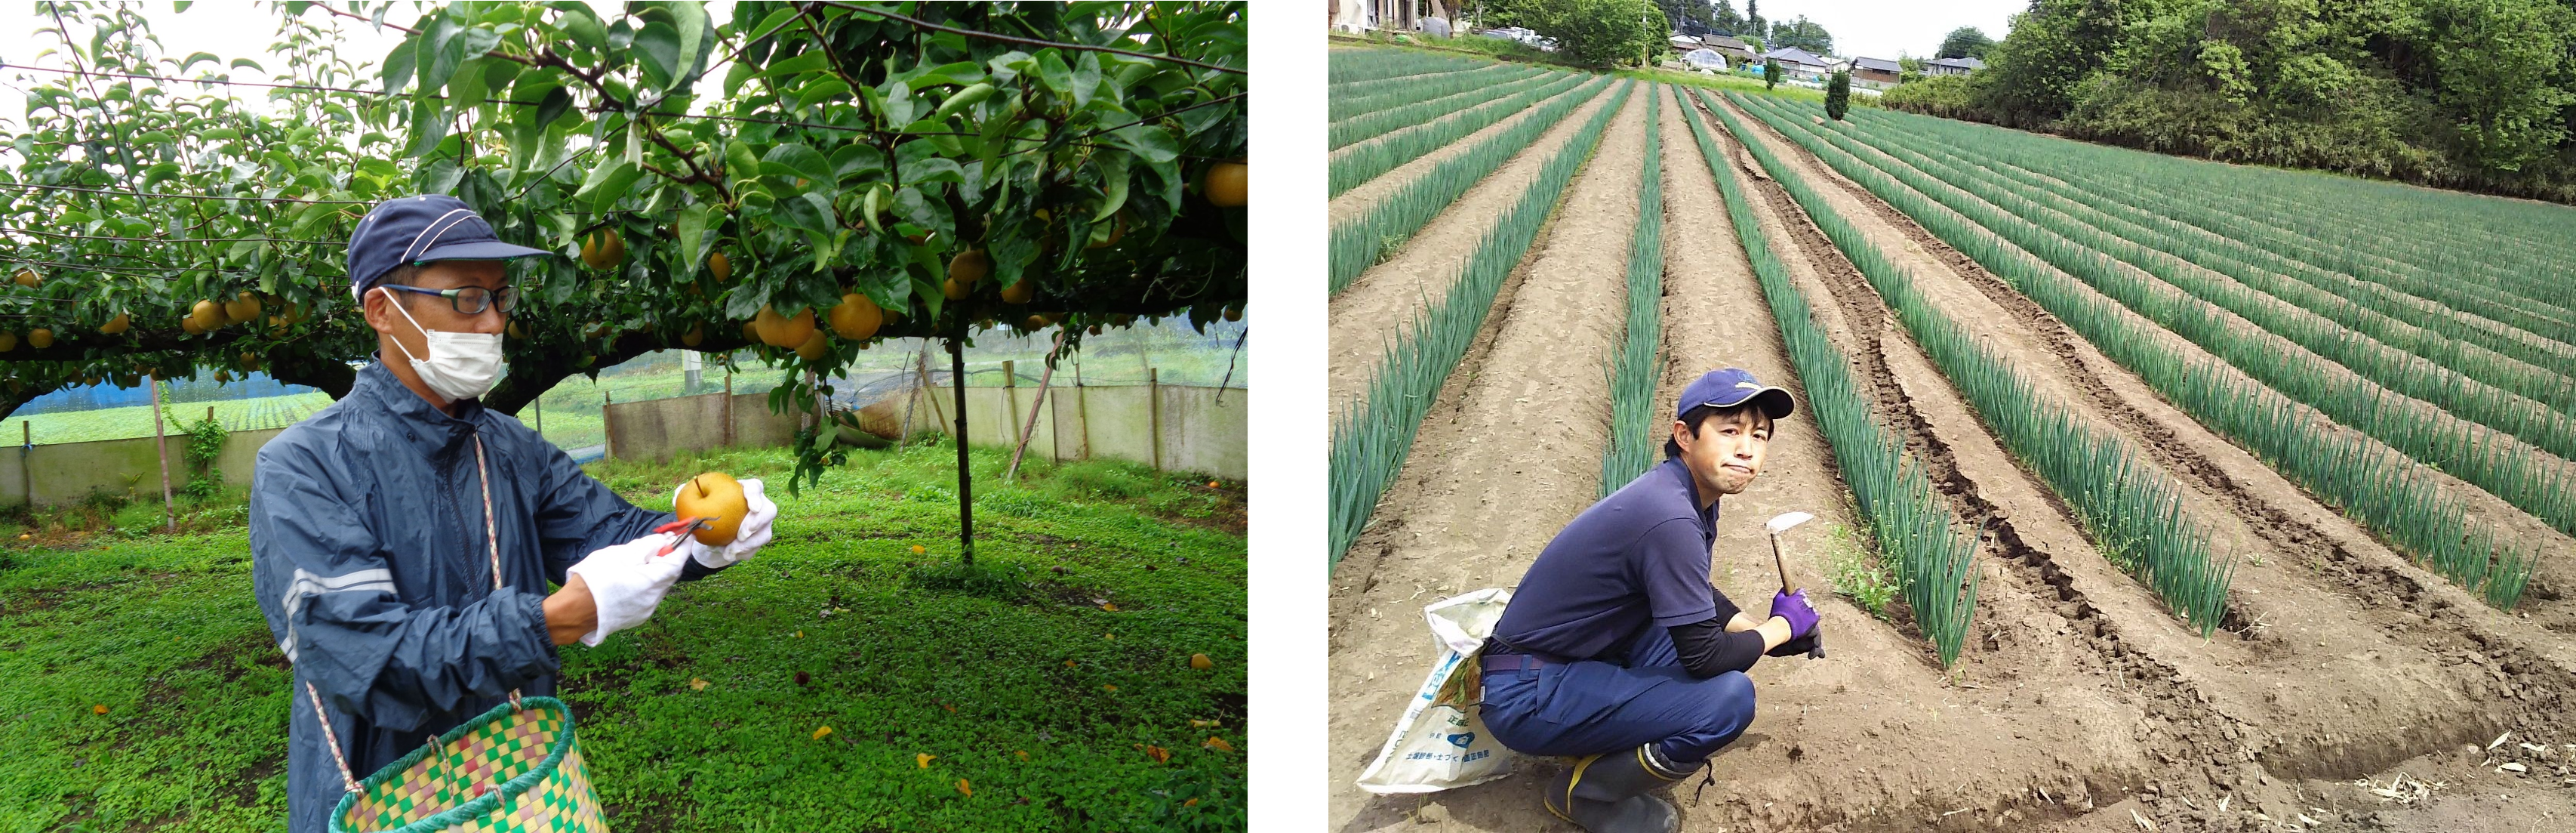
(1880, 29)
(230, 28)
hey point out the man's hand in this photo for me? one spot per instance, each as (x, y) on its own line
(570, 612)
(748, 538)
(626, 583)
(1793, 609)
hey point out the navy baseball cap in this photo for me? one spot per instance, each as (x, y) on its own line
(1728, 387)
(419, 230)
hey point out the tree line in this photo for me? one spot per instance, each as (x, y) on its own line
(2471, 94)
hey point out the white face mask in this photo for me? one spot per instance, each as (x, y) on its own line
(460, 365)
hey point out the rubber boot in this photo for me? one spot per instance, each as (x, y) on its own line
(1607, 793)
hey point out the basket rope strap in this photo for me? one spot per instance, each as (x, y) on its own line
(491, 538)
(492, 544)
(332, 738)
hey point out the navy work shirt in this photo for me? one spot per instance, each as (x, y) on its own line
(368, 555)
(1639, 557)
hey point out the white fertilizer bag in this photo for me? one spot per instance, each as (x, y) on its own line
(1441, 742)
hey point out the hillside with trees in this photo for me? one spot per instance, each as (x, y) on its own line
(2470, 94)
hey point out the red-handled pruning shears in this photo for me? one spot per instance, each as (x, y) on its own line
(685, 527)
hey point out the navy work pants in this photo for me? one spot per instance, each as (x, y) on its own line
(1592, 707)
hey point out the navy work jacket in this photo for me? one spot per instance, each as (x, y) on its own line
(367, 544)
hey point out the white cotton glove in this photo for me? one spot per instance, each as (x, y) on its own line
(626, 582)
(747, 539)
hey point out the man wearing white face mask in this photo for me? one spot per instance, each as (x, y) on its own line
(403, 538)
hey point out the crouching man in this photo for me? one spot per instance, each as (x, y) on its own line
(1616, 648)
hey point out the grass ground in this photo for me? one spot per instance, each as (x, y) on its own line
(1052, 687)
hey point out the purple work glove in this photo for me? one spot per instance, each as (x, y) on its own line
(1794, 607)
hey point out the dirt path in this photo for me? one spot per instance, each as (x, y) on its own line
(1355, 203)
(2294, 521)
(1382, 302)
(1511, 451)
(2347, 286)
(2297, 718)
(1469, 111)
(2548, 465)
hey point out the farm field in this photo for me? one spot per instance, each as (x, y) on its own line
(2213, 497)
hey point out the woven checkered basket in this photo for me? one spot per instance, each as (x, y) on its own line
(514, 769)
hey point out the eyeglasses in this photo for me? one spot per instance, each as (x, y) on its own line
(472, 300)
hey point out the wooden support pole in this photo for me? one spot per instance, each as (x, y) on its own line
(728, 406)
(26, 469)
(1154, 408)
(918, 391)
(1011, 400)
(1030, 428)
(161, 443)
(607, 430)
(1082, 410)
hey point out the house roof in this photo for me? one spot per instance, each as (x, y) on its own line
(1683, 42)
(1876, 64)
(1724, 42)
(1962, 63)
(1794, 55)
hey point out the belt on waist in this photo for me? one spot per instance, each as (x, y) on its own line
(1492, 662)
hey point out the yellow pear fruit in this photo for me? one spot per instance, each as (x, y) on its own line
(697, 333)
(188, 323)
(1225, 183)
(1022, 292)
(778, 330)
(116, 325)
(208, 315)
(967, 269)
(814, 348)
(717, 497)
(603, 249)
(27, 278)
(857, 317)
(40, 338)
(8, 342)
(243, 307)
(721, 266)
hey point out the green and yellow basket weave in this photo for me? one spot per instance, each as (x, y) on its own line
(511, 770)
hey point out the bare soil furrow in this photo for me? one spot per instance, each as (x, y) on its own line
(2546, 464)
(2109, 635)
(1392, 135)
(1356, 202)
(1510, 455)
(2296, 733)
(2290, 517)
(1382, 303)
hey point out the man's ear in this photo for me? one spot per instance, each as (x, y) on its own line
(379, 316)
(1682, 435)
